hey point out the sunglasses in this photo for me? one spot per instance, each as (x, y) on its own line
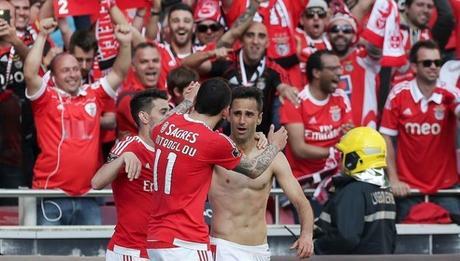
(428, 63)
(203, 28)
(346, 29)
(310, 13)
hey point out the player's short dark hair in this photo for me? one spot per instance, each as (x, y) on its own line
(143, 45)
(249, 93)
(179, 7)
(143, 101)
(213, 96)
(315, 62)
(84, 39)
(427, 44)
(180, 78)
(408, 3)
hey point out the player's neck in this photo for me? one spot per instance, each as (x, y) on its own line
(210, 121)
(144, 134)
(246, 145)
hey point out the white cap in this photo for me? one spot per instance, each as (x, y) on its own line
(317, 4)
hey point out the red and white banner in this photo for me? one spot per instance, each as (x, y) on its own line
(64, 8)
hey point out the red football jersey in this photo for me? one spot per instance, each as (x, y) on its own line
(360, 80)
(281, 17)
(125, 122)
(426, 135)
(322, 121)
(74, 122)
(132, 198)
(186, 151)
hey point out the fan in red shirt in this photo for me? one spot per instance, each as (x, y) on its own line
(312, 37)
(318, 123)
(143, 74)
(359, 77)
(67, 116)
(186, 150)
(422, 115)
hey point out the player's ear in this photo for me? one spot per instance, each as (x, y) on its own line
(259, 120)
(143, 117)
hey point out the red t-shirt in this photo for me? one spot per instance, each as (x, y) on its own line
(322, 121)
(133, 199)
(125, 122)
(186, 151)
(425, 130)
(78, 118)
(360, 80)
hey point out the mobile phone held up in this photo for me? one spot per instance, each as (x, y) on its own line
(5, 15)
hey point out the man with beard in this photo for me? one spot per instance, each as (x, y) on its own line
(421, 114)
(249, 67)
(315, 127)
(312, 36)
(239, 232)
(360, 68)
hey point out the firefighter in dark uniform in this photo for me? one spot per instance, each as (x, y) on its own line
(359, 217)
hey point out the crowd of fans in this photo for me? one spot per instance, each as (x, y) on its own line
(380, 66)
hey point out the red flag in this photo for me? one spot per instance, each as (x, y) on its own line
(63, 8)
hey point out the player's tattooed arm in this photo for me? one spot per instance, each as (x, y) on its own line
(253, 168)
(189, 94)
(238, 27)
(256, 166)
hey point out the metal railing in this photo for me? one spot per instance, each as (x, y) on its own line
(27, 199)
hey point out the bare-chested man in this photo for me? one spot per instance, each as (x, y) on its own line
(238, 229)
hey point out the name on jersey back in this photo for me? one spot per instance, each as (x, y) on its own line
(170, 137)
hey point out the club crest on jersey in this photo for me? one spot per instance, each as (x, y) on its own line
(163, 128)
(335, 113)
(261, 83)
(348, 67)
(439, 112)
(91, 109)
(236, 152)
(282, 49)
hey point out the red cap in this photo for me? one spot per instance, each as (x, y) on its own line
(207, 10)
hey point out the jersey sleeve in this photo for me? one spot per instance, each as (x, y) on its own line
(237, 8)
(119, 148)
(290, 114)
(390, 116)
(222, 151)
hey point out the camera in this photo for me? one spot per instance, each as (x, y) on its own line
(5, 15)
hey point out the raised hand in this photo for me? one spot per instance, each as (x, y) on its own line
(47, 25)
(262, 141)
(123, 33)
(191, 90)
(278, 138)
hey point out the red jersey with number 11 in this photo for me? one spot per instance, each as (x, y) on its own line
(186, 151)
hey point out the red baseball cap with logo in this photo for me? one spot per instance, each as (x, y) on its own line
(207, 10)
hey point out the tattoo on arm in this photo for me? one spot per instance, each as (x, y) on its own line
(256, 166)
(183, 107)
(238, 27)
